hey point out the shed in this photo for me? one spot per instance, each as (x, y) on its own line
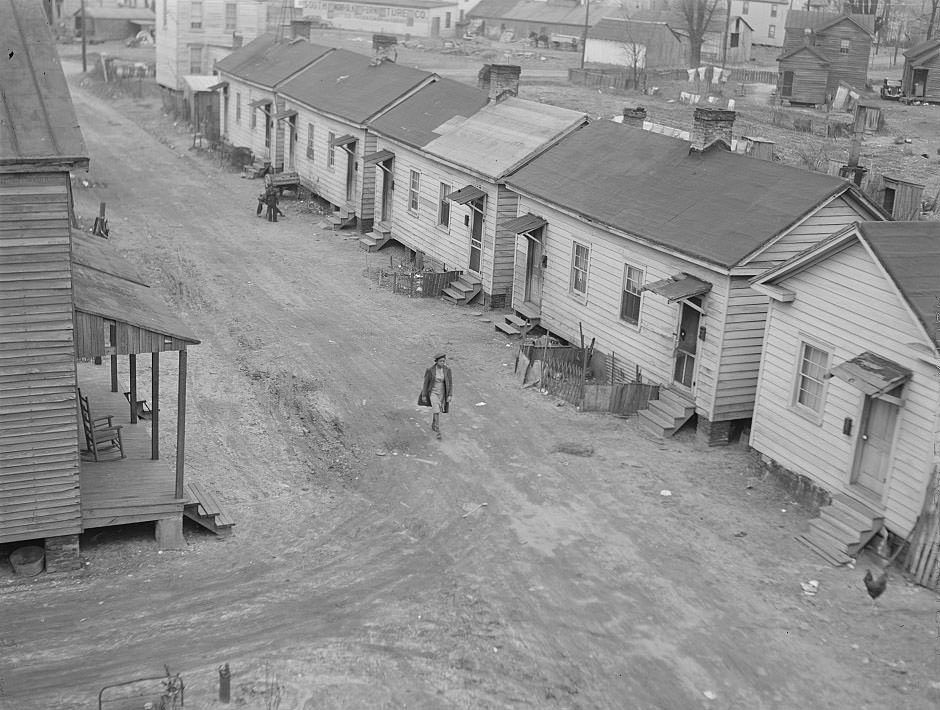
(108, 23)
(417, 18)
(921, 77)
(648, 45)
(850, 371)
(531, 19)
(201, 104)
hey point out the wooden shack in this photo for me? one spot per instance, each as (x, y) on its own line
(820, 50)
(651, 45)
(921, 77)
(100, 24)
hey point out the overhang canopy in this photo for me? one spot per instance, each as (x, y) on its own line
(679, 287)
(872, 374)
(525, 223)
(258, 102)
(344, 140)
(220, 85)
(281, 115)
(466, 194)
(378, 157)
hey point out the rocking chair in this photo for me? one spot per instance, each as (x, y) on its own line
(102, 436)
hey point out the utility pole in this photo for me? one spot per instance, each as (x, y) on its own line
(587, 15)
(84, 61)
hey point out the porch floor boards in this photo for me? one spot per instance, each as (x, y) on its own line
(134, 489)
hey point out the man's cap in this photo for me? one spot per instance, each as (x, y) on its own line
(438, 357)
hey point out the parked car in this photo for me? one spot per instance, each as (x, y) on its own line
(891, 89)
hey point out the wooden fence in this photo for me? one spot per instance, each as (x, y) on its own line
(416, 284)
(621, 78)
(923, 556)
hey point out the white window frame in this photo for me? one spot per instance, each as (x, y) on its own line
(310, 145)
(238, 107)
(844, 46)
(443, 206)
(576, 270)
(813, 414)
(771, 31)
(231, 17)
(638, 281)
(195, 15)
(414, 190)
(745, 7)
(773, 11)
(330, 150)
(195, 67)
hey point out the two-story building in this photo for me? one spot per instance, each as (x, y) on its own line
(767, 19)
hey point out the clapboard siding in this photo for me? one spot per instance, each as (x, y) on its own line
(931, 89)
(368, 173)
(810, 77)
(846, 305)
(38, 420)
(821, 224)
(240, 133)
(504, 243)
(329, 182)
(648, 346)
(740, 352)
(448, 246)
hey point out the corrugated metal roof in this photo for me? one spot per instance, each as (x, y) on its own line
(871, 373)
(499, 137)
(524, 223)
(352, 86)
(37, 119)
(716, 206)
(199, 82)
(421, 117)
(910, 252)
(276, 62)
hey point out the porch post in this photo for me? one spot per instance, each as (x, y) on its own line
(155, 413)
(133, 399)
(114, 382)
(181, 426)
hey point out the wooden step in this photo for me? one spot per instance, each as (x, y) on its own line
(831, 556)
(204, 508)
(834, 535)
(528, 311)
(654, 423)
(516, 321)
(382, 227)
(850, 513)
(453, 293)
(679, 401)
(838, 516)
(508, 329)
(857, 506)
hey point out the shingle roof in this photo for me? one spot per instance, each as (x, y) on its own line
(418, 120)
(499, 137)
(716, 206)
(615, 29)
(270, 62)
(819, 20)
(910, 252)
(924, 48)
(37, 119)
(352, 85)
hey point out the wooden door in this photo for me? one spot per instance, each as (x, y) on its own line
(873, 452)
(435, 26)
(687, 343)
(476, 235)
(350, 149)
(920, 82)
(786, 84)
(291, 141)
(534, 273)
(386, 169)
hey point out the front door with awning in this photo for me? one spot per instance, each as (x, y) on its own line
(475, 199)
(689, 291)
(531, 228)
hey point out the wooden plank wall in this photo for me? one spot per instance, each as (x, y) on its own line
(650, 344)
(90, 332)
(810, 78)
(852, 68)
(327, 182)
(367, 182)
(847, 306)
(39, 485)
(239, 130)
(504, 243)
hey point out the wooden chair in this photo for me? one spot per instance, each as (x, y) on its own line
(102, 436)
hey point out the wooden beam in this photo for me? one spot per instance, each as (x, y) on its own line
(155, 413)
(133, 397)
(775, 292)
(181, 426)
(114, 376)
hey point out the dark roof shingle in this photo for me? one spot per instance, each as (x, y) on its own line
(267, 62)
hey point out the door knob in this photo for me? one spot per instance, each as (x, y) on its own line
(864, 437)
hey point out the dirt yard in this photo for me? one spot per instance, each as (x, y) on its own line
(530, 559)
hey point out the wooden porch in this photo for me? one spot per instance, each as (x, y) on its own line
(134, 489)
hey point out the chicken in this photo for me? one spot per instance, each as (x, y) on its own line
(875, 587)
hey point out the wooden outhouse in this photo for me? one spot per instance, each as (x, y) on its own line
(820, 50)
(849, 371)
(646, 243)
(328, 106)
(450, 198)
(921, 77)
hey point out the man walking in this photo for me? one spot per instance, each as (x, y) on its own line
(437, 390)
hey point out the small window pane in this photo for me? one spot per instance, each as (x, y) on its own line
(631, 296)
(443, 211)
(413, 187)
(579, 268)
(813, 364)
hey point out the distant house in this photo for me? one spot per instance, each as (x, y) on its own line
(629, 43)
(417, 18)
(766, 18)
(201, 104)
(192, 36)
(450, 201)
(70, 299)
(921, 78)
(107, 23)
(647, 243)
(327, 107)
(739, 34)
(822, 49)
(248, 78)
(850, 372)
(565, 19)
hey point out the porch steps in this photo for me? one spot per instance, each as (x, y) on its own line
(203, 507)
(516, 325)
(343, 216)
(842, 529)
(377, 238)
(666, 415)
(463, 290)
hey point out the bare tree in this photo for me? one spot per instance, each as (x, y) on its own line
(698, 16)
(634, 44)
(933, 17)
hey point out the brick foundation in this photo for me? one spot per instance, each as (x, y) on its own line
(497, 300)
(713, 433)
(801, 488)
(62, 554)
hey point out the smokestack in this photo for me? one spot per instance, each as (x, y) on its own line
(634, 116)
(499, 80)
(709, 125)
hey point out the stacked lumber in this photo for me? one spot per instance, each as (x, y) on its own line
(923, 557)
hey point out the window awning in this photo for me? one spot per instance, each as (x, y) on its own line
(344, 140)
(220, 85)
(378, 157)
(258, 102)
(466, 194)
(525, 223)
(679, 287)
(872, 374)
(281, 115)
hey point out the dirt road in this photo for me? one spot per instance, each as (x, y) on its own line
(365, 571)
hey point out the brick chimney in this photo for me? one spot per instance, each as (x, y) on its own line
(634, 116)
(710, 124)
(499, 80)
